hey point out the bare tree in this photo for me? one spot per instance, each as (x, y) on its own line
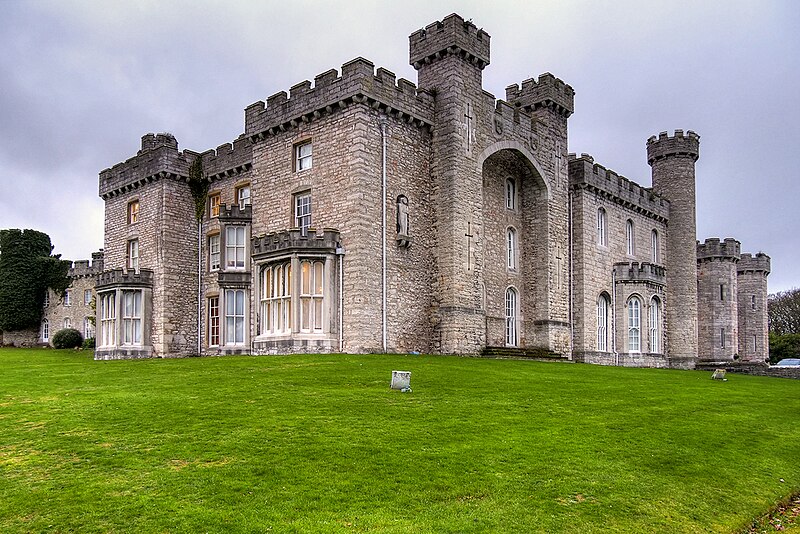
(784, 312)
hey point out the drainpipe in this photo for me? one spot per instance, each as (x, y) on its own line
(569, 280)
(199, 286)
(340, 257)
(614, 315)
(383, 231)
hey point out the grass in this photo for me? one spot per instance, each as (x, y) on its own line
(320, 444)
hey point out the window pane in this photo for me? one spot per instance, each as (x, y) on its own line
(318, 278)
(305, 276)
(318, 314)
(240, 303)
(305, 313)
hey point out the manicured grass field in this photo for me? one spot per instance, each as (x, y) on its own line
(320, 444)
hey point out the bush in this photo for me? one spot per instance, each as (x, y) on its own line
(89, 343)
(68, 338)
(783, 346)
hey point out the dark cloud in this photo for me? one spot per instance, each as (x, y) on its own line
(82, 81)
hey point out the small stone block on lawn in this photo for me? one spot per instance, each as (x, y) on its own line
(719, 374)
(401, 379)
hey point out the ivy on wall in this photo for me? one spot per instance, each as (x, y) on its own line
(27, 269)
(198, 185)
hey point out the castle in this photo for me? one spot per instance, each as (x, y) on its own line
(368, 214)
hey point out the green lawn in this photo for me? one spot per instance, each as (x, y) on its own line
(320, 444)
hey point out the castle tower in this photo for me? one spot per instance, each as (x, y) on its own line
(717, 300)
(752, 274)
(450, 56)
(672, 160)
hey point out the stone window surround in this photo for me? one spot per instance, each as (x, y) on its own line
(602, 227)
(238, 190)
(212, 336)
(115, 322)
(512, 249)
(630, 238)
(511, 194)
(305, 220)
(68, 298)
(132, 211)
(225, 294)
(655, 244)
(132, 254)
(209, 237)
(214, 203)
(634, 324)
(299, 160)
(603, 321)
(224, 248)
(512, 316)
(655, 320)
(45, 331)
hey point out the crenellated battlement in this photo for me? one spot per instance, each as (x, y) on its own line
(450, 36)
(228, 159)
(585, 173)
(83, 268)
(548, 91)
(713, 249)
(158, 158)
(640, 272)
(758, 263)
(679, 145)
(234, 213)
(323, 240)
(358, 83)
(130, 278)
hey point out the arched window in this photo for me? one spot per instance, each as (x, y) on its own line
(634, 325)
(511, 317)
(655, 246)
(602, 323)
(655, 326)
(511, 194)
(511, 240)
(601, 227)
(629, 237)
(88, 328)
(45, 330)
(311, 295)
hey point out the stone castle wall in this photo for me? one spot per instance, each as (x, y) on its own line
(752, 271)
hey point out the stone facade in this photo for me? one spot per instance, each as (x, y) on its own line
(363, 213)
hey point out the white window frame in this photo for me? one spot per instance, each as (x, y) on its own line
(45, 331)
(235, 311)
(132, 254)
(68, 297)
(88, 328)
(511, 249)
(67, 322)
(243, 196)
(655, 326)
(303, 156)
(601, 227)
(312, 295)
(87, 297)
(512, 315)
(47, 298)
(132, 317)
(235, 249)
(511, 194)
(108, 319)
(634, 324)
(213, 321)
(630, 237)
(213, 253)
(276, 298)
(655, 243)
(302, 211)
(602, 323)
(214, 202)
(133, 211)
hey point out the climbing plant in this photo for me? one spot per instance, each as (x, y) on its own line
(198, 185)
(27, 269)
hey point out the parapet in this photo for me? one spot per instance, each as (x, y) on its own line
(713, 249)
(234, 213)
(547, 91)
(325, 240)
(452, 35)
(83, 268)
(118, 277)
(679, 145)
(749, 263)
(358, 83)
(640, 272)
(158, 158)
(228, 159)
(151, 141)
(585, 173)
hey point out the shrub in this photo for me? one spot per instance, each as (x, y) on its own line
(89, 343)
(68, 338)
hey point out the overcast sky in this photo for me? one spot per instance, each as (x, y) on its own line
(81, 82)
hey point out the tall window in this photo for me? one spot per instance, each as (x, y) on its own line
(655, 326)
(654, 243)
(752, 302)
(133, 254)
(302, 211)
(755, 344)
(629, 237)
(213, 321)
(602, 323)
(511, 194)
(45, 331)
(132, 317)
(68, 298)
(234, 247)
(88, 328)
(722, 338)
(511, 317)
(276, 299)
(47, 298)
(108, 318)
(67, 322)
(722, 292)
(213, 252)
(634, 325)
(302, 156)
(243, 196)
(311, 295)
(601, 227)
(133, 212)
(511, 248)
(213, 205)
(87, 297)
(234, 317)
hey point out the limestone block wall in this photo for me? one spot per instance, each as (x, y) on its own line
(752, 272)
(717, 300)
